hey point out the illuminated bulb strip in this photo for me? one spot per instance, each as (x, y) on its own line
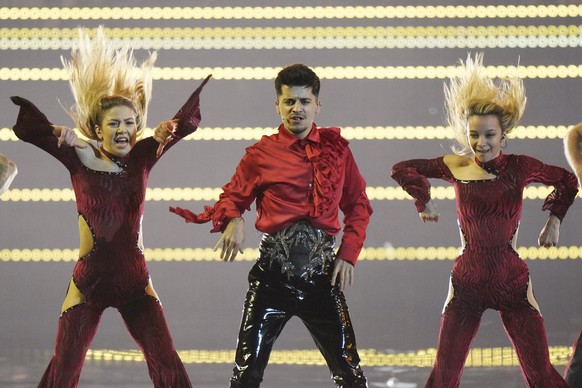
(561, 41)
(278, 13)
(305, 37)
(376, 32)
(387, 253)
(478, 357)
(379, 193)
(327, 72)
(530, 132)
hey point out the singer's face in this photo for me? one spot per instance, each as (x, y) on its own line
(297, 106)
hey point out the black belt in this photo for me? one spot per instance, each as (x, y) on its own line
(300, 249)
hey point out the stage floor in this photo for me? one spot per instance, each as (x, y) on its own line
(24, 371)
(134, 375)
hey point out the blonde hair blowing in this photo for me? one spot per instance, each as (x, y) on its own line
(472, 93)
(102, 77)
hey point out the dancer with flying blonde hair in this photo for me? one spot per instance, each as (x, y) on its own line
(489, 274)
(109, 174)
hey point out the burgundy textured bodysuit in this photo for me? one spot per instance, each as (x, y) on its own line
(489, 273)
(114, 273)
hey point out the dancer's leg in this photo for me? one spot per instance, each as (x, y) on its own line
(459, 325)
(525, 327)
(573, 372)
(76, 329)
(264, 317)
(326, 316)
(144, 318)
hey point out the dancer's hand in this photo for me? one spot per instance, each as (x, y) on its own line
(232, 239)
(550, 233)
(68, 137)
(430, 212)
(8, 171)
(343, 274)
(163, 133)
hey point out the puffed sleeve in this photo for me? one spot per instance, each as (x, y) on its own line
(412, 176)
(564, 182)
(32, 126)
(188, 117)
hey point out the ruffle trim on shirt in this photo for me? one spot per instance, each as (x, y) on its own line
(209, 214)
(189, 216)
(327, 159)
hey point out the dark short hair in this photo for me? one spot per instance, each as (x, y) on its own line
(297, 75)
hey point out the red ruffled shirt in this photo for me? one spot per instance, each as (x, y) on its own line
(295, 179)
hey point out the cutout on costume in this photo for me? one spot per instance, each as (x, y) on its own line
(531, 297)
(151, 292)
(86, 237)
(450, 295)
(73, 298)
(513, 239)
(140, 235)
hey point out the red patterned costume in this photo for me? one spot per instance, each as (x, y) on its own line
(489, 273)
(573, 374)
(114, 273)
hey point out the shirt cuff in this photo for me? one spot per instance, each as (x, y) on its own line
(348, 253)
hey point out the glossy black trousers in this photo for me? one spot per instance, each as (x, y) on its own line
(272, 299)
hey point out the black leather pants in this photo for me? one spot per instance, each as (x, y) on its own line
(272, 299)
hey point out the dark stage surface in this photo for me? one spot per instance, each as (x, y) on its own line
(134, 375)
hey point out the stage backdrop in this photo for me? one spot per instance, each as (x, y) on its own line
(382, 65)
